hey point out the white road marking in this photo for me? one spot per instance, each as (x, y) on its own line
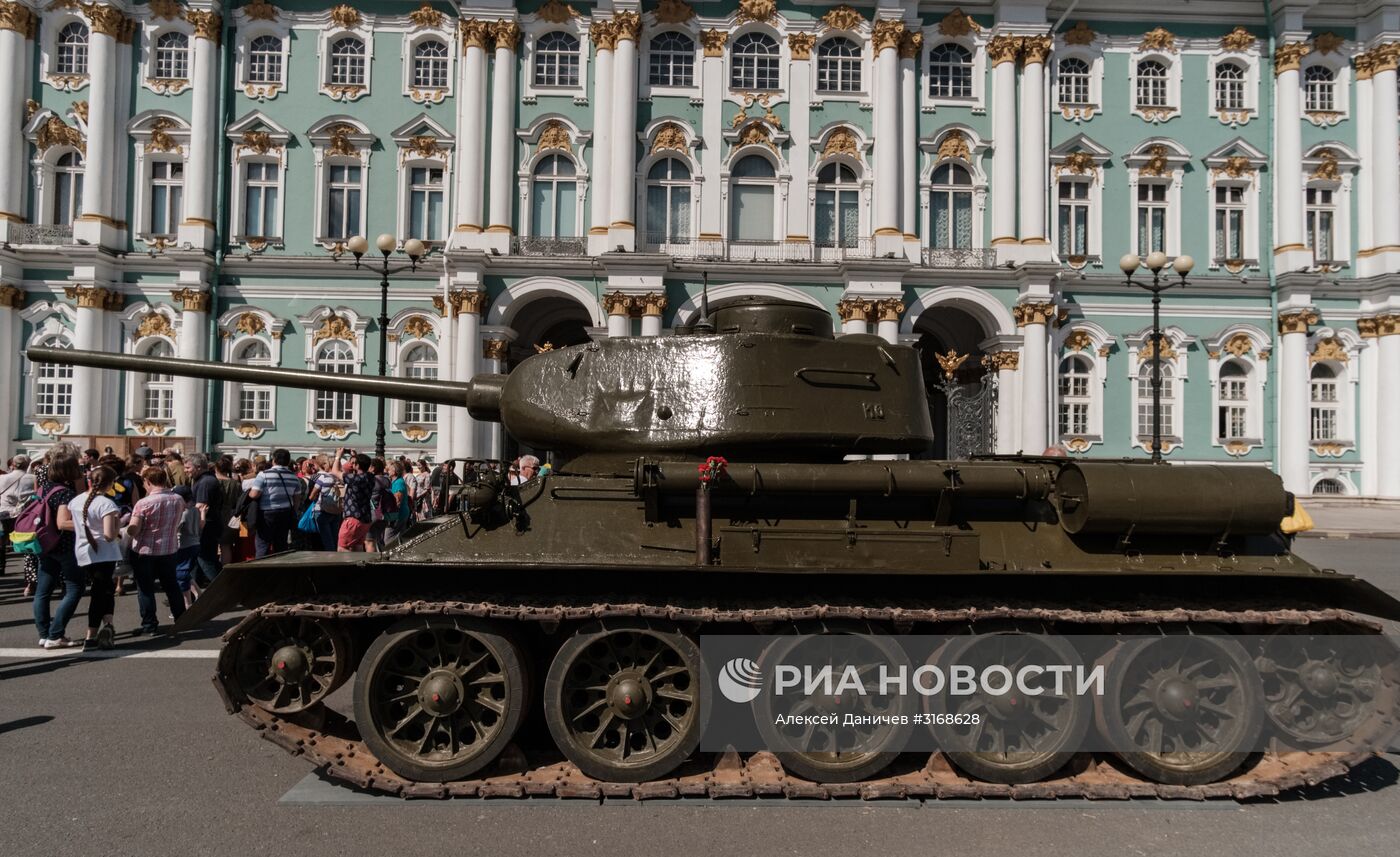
(37, 652)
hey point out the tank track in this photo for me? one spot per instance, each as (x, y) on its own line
(333, 745)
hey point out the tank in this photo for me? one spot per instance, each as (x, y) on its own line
(542, 638)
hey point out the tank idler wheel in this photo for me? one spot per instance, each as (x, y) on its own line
(288, 664)
(1321, 683)
(1017, 737)
(438, 699)
(624, 699)
(1191, 705)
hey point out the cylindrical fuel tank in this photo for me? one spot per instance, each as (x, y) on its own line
(1196, 499)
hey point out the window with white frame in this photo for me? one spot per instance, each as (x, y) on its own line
(1232, 406)
(338, 358)
(172, 56)
(347, 62)
(425, 203)
(1325, 403)
(951, 203)
(1151, 217)
(67, 189)
(157, 388)
(1074, 75)
(1321, 213)
(1230, 81)
(554, 198)
(1231, 205)
(343, 190)
(1076, 373)
(671, 60)
(265, 60)
(838, 66)
(1319, 89)
(71, 54)
(254, 400)
(949, 71)
(260, 189)
(754, 62)
(753, 187)
(1074, 218)
(430, 64)
(837, 215)
(53, 385)
(420, 362)
(1151, 84)
(668, 201)
(1144, 400)
(167, 189)
(556, 59)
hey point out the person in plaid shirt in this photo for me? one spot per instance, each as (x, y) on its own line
(155, 532)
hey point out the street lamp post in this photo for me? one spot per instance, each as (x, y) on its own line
(386, 243)
(1155, 262)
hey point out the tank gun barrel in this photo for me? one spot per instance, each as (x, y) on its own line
(888, 478)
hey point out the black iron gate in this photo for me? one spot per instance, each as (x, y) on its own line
(969, 407)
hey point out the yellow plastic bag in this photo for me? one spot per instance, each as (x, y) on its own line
(1298, 522)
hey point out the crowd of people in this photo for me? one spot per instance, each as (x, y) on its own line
(169, 523)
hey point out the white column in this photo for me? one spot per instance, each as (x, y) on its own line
(1293, 430)
(622, 230)
(1385, 182)
(1034, 317)
(1031, 146)
(1388, 459)
(448, 418)
(466, 306)
(800, 126)
(97, 224)
(503, 187)
(1003, 51)
(471, 117)
(887, 313)
(491, 440)
(1368, 406)
(197, 227)
(89, 335)
(1290, 253)
(1361, 183)
(855, 314)
(888, 236)
(653, 306)
(712, 128)
(618, 306)
(192, 344)
(11, 299)
(909, 49)
(600, 215)
(1005, 363)
(15, 24)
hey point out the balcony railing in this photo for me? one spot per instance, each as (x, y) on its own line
(549, 246)
(959, 257)
(38, 233)
(720, 250)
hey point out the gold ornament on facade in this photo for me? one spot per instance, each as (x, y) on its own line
(1149, 351)
(80, 110)
(1328, 168)
(756, 135)
(1081, 34)
(207, 25)
(958, 23)
(1160, 39)
(1385, 57)
(1366, 328)
(1235, 167)
(1387, 325)
(651, 303)
(554, 136)
(1236, 448)
(247, 431)
(854, 309)
(603, 35)
(1239, 345)
(1077, 444)
(1035, 49)
(191, 300)
(260, 10)
(544, 347)
(326, 432)
(555, 12)
(1328, 449)
(30, 108)
(11, 296)
(1328, 42)
(345, 93)
(1078, 163)
(1238, 40)
(114, 299)
(154, 324)
(1289, 57)
(249, 323)
(1297, 321)
(843, 17)
(1004, 360)
(628, 26)
(889, 309)
(955, 145)
(1156, 161)
(418, 327)
(340, 142)
(161, 140)
(1033, 313)
(334, 327)
(505, 34)
(415, 434)
(950, 362)
(107, 20)
(887, 34)
(426, 17)
(673, 12)
(713, 42)
(841, 141)
(1330, 348)
(617, 303)
(475, 33)
(800, 45)
(1079, 340)
(495, 349)
(471, 301)
(911, 45)
(52, 427)
(668, 137)
(761, 11)
(1004, 49)
(1365, 65)
(257, 141)
(18, 18)
(55, 132)
(424, 146)
(346, 16)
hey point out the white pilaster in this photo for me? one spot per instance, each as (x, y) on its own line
(97, 223)
(466, 307)
(1290, 252)
(1293, 429)
(712, 127)
(192, 344)
(1385, 182)
(1388, 456)
(1031, 148)
(855, 314)
(471, 147)
(652, 306)
(491, 436)
(800, 122)
(1003, 50)
(622, 229)
(618, 306)
(909, 50)
(13, 45)
(1361, 185)
(601, 184)
(500, 226)
(1008, 430)
(11, 299)
(197, 226)
(888, 235)
(1368, 407)
(448, 418)
(1035, 379)
(89, 334)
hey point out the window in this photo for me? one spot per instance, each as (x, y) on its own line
(343, 201)
(167, 186)
(430, 65)
(952, 207)
(254, 400)
(1075, 374)
(425, 196)
(554, 199)
(1329, 486)
(53, 385)
(838, 207)
(1321, 214)
(260, 200)
(751, 199)
(949, 71)
(672, 60)
(1229, 86)
(172, 56)
(556, 60)
(1232, 413)
(336, 357)
(1319, 89)
(1229, 222)
(72, 50)
(754, 62)
(67, 189)
(1152, 218)
(158, 389)
(668, 202)
(838, 66)
(1144, 400)
(1074, 218)
(1325, 403)
(1151, 84)
(348, 62)
(1074, 81)
(265, 60)
(420, 362)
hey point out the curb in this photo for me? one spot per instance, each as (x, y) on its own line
(1348, 534)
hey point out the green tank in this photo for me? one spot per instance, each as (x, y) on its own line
(542, 638)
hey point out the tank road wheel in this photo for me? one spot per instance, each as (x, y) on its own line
(1018, 737)
(1191, 706)
(1321, 683)
(287, 664)
(624, 699)
(437, 699)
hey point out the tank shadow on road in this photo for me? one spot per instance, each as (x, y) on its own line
(24, 723)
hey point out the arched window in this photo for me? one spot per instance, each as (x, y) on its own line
(254, 400)
(838, 66)
(950, 71)
(1144, 400)
(167, 188)
(260, 199)
(338, 358)
(1326, 402)
(1321, 215)
(348, 62)
(425, 195)
(671, 60)
(53, 385)
(753, 186)
(1319, 88)
(1229, 86)
(1074, 217)
(72, 51)
(67, 189)
(1329, 486)
(668, 202)
(754, 62)
(554, 199)
(838, 207)
(1074, 81)
(430, 65)
(1232, 415)
(265, 60)
(1075, 374)
(952, 207)
(172, 56)
(158, 389)
(1151, 84)
(420, 362)
(556, 60)
(343, 200)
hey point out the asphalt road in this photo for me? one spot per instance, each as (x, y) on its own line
(134, 755)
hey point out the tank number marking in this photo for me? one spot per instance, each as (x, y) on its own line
(873, 410)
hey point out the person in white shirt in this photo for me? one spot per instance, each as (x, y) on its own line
(11, 502)
(96, 523)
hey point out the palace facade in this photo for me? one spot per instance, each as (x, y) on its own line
(182, 178)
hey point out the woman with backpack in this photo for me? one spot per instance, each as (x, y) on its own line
(96, 522)
(58, 563)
